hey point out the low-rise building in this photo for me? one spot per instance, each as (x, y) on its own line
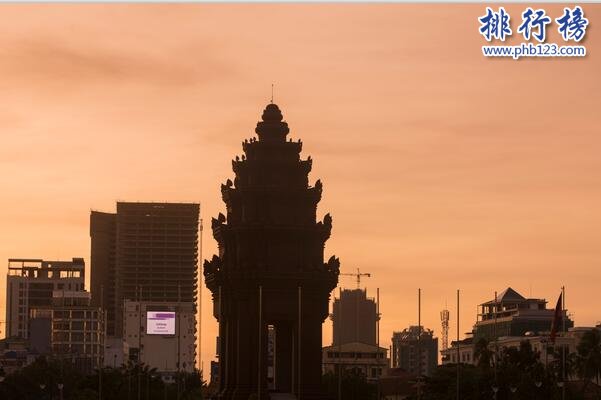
(540, 344)
(15, 354)
(367, 359)
(462, 350)
(398, 384)
(69, 328)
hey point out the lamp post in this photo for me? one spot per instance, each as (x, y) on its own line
(495, 390)
(1, 380)
(42, 387)
(513, 389)
(538, 385)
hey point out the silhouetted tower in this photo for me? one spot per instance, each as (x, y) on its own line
(270, 270)
(444, 319)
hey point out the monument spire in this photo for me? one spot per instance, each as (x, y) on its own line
(271, 249)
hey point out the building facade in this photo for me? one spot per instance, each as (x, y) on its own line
(161, 335)
(270, 269)
(464, 350)
(415, 350)
(511, 314)
(70, 328)
(366, 359)
(354, 318)
(143, 252)
(30, 283)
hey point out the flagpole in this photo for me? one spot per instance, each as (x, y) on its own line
(419, 348)
(260, 344)
(458, 363)
(339, 343)
(563, 320)
(496, 341)
(378, 340)
(299, 339)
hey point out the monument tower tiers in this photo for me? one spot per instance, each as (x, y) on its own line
(269, 282)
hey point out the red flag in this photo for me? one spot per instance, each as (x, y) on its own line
(556, 320)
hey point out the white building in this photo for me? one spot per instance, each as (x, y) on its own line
(539, 343)
(158, 332)
(358, 357)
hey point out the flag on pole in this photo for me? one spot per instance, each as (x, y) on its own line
(557, 317)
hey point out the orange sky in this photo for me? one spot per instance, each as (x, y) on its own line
(441, 169)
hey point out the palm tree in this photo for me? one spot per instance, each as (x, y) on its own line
(588, 361)
(483, 354)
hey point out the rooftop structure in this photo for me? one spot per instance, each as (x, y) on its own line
(511, 314)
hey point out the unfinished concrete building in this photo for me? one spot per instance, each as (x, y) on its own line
(30, 283)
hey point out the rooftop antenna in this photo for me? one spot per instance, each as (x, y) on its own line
(444, 319)
(272, 93)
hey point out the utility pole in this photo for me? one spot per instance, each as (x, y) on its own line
(419, 342)
(563, 347)
(458, 361)
(378, 374)
(139, 340)
(340, 344)
(101, 315)
(199, 345)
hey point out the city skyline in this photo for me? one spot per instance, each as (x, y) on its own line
(431, 181)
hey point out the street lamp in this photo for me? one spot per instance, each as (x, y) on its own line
(60, 391)
(495, 389)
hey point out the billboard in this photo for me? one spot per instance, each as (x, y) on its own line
(160, 323)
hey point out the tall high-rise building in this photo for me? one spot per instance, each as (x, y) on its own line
(143, 252)
(103, 232)
(354, 318)
(412, 345)
(30, 283)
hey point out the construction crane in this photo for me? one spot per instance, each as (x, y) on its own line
(358, 275)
